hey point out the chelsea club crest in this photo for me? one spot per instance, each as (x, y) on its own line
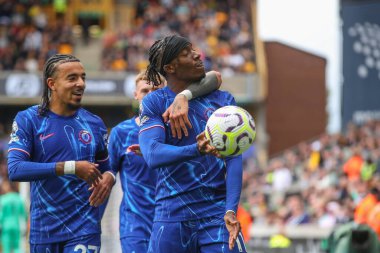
(85, 136)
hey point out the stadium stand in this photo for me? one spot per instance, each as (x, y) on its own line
(222, 30)
(27, 39)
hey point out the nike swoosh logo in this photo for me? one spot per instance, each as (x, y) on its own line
(44, 137)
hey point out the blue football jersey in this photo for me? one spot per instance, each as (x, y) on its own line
(60, 208)
(195, 188)
(137, 180)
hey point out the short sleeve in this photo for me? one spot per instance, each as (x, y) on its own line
(21, 138)
(228, 98)
(150, 115)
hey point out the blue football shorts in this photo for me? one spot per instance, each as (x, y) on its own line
(134, 244)
(207, 235)
(82, 244)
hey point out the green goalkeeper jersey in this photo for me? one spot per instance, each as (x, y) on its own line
(12, 211)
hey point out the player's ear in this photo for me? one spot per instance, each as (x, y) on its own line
(50, 83)
(169, 68)
(135, 94)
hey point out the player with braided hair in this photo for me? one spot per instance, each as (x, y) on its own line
(60, 148)
(137, 180)
(197, 191)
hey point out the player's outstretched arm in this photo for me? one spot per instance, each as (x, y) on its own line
(152, 138)
(177, 112)
(20, 168)
(157, 154)
(85, 170)
(234, 166)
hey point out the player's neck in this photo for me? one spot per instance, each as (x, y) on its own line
(177, 86)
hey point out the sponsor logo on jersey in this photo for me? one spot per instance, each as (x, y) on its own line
(14, 127)
(143, 120)
(85, 136)
(14, 137)
(46, 136)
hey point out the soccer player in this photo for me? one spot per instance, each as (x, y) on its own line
(12, 218)
(137, 180)
(197, 191)
(61, 149)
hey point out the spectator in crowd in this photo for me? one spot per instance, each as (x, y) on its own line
(297, 214)
(280, 240)
(373, 219)
(354, 165)
(245, 219)
(282, 177)
(365, 205)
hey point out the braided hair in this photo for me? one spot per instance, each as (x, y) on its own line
(162, 52)
(50, 68)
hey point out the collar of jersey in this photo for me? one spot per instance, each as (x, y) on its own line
(170, 92)
(54, 115)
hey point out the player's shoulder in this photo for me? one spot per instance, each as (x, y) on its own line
(156, 95)
(89, 116)
(125, 125)
(221, 94)
(156, 101)
(30, 112)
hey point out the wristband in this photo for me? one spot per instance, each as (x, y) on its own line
(69, 167)
(187, 94)
(114, 178)
(230, 211)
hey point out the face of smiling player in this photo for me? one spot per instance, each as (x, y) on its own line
(67, 86)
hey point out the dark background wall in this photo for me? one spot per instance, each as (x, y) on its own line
(296, 102)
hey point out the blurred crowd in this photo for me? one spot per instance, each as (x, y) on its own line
(327, 181)
(222, 31)
(27, 39)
